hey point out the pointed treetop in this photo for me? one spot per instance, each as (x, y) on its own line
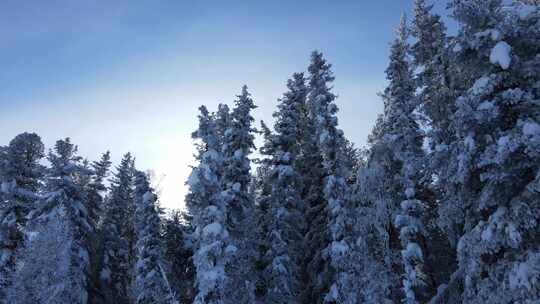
(320, 69)
(20, 160)
(206, 131)
(241, 113)
(101, 169)
(124, 171)
(126, 162)
(26, 146)
(63, 156)
(204, 123)
(429, 31)
(64, 148)
(103, 164)
(222, 115)
(402, 30)
(320, 86)
(296, 84)
(265, 130)
(244, 102)
(245, 91)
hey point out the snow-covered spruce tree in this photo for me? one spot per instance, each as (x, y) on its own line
(403, 135)
(340, 250)
(387, 188)
(239, 216)
(117, 226)
(315, 272)
(261, 189)
(97, 186)
(55, 261)
(436, 81)
(178, 253)
(476, 19)
(285, 222)
(379, 282)
(151, 284)
(20, 178)
(497, 129)
(96, 190)
(210, 237)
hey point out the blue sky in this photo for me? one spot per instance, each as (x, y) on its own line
(129, 75)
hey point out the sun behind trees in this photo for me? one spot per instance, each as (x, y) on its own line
(442, 206)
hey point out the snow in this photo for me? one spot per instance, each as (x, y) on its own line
(148, 197)
(412, 252)
(457, 48)
(487, 234)
(5, 255)
(419, 69)
(401, 220)
(441, 147)
(208, 173)
(495, 35)
(339, 248)
(409, 192)
(212, 229)
(278, 266)
(524, 11)
(286, 157)
(193, 179)
(410, 205)
(500, 54)
(31, 235)
(84, 255)
(525, 274)
(213, 275)
(231, 249)
(480, 84)
(332, 108)
(5, 187)
(238, 154)
(332, 294)
(513, 235)
(211, 154)
(502, 144)
(236, 187)
(324, 135)
(531, 129)
(470, 143)
(486, 105)
(9, 219)
(285, 170)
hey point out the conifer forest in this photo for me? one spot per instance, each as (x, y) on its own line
(442, 205)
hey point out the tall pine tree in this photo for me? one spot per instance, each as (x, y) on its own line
(205, 203)
(339, 252)
(20, 178)
(497, 133)
(285, 217)
(55, 261)
(151, 283)
(117, 233)
(237, 147)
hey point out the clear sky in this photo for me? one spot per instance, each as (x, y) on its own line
(129, 75)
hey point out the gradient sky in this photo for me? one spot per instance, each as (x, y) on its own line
(129, 75)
